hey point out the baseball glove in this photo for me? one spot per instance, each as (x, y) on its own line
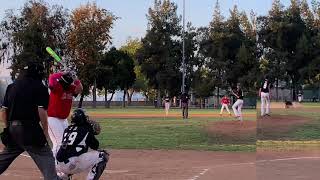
(95, 127)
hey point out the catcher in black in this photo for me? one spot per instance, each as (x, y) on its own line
(73, 156)
(25, 105)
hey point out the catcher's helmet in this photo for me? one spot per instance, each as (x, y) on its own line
(79, 117)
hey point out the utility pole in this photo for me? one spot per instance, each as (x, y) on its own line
(183, 51)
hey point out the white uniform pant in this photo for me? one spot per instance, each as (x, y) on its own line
(265, 103)
(167, 107)
(82, 163)
(237, 107)
(56, 128)
(224, 106)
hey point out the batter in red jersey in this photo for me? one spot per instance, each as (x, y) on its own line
(62, 89)
(225, 102)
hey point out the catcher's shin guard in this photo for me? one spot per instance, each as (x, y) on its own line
(98, 168)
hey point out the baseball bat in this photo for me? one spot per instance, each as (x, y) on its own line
(58, 60)
(53, 54)
(55, 57)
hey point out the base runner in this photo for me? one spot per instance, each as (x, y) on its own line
(73, 156)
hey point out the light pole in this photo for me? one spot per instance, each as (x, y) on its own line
(183, 51)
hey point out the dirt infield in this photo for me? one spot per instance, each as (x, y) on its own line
(192, 165)
(234, 132)
(288, 165)
(173, 115)
(233, 128)
(158, 165)
(277, 126)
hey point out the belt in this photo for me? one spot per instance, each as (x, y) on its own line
(16, 123)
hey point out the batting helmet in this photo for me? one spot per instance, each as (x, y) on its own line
(79, 117)
(66, 80)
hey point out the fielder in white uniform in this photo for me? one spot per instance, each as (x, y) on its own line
(167, 104)
(237, 106)
(264, 93)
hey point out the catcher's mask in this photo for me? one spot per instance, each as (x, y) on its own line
(79, 117)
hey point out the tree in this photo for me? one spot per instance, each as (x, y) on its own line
(27, 34)
(87, 40)
(203, 85)
(271, 43)
(126, 75)
(140, 85)
(105, 77)
(160, 54)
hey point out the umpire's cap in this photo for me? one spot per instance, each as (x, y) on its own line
(34, 70)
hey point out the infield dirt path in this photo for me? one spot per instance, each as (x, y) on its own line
(192, 165)
(158, 165)
(288, 165)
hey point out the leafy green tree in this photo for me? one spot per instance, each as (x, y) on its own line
(160, 54)
(27, 34)
(140, 85)
(87, 40)
(271, 43)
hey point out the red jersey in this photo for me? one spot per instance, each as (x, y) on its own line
(60, 101)
(225, 100)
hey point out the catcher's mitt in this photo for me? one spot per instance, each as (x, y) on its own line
(95, 127)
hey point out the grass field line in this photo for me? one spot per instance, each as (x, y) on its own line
(285, 143)
(200, 174)
(288, 159)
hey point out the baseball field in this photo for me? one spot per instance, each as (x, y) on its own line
(288, 143)
(144, 144)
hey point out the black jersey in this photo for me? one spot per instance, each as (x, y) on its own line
(239, 93)
(184, 98)
(265, 87)
(76, 141)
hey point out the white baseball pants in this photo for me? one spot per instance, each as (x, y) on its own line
(56, 128)
(82, 163)
(167, 107)
(224, 106)
(265, 103)
(237, 107)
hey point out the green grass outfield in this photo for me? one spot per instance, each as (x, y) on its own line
(139, 110)
(164, 133)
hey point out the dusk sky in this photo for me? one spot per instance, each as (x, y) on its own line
(132, 13)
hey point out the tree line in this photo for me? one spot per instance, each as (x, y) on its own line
(241, 48)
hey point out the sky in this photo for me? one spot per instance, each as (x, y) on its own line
(132, 20)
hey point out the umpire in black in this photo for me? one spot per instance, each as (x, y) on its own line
(25, 105)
